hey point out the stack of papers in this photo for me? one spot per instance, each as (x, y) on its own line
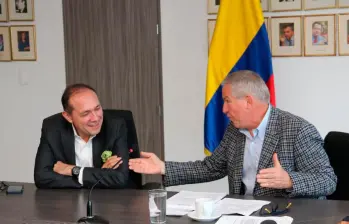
(229, 206)
(253, 220)
(184, 202)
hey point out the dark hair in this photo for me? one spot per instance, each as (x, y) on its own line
(71, 90)
(317, 23)
(288, 25)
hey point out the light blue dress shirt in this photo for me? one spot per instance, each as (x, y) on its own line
(253, 149)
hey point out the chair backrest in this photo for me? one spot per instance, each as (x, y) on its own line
(135, 179)
(337, 149)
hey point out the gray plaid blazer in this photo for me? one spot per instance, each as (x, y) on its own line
(300, 151)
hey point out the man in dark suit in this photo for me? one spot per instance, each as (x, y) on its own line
(264, 151)
(72, 142)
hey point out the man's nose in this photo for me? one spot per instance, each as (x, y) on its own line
(94, 116)
(225, 109)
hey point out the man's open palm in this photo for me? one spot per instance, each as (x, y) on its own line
(149, 163)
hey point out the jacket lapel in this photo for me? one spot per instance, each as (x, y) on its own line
(97, 148)
(67, 137)
(270, 141)
(100, 143)
(269, 145)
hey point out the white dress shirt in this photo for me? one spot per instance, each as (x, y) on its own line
(253, 149)
(83, 153)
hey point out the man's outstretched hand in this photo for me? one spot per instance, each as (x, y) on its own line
(148, 163)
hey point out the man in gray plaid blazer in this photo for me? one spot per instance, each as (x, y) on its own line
(264, 151)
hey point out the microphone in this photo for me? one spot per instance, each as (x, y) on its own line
(269, 221)
(95, 219)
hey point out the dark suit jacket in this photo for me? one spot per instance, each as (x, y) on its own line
(300, 151)
(57, 144)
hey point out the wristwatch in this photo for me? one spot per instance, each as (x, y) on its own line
(76, 171)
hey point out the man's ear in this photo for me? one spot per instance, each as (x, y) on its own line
(67, 116)
(249, 101)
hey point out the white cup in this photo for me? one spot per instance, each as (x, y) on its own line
(204, 207)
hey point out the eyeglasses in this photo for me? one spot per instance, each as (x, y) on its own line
(3, 186)
(275, 209)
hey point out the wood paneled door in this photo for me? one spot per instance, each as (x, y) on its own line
(114, 46)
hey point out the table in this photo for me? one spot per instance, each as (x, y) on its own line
(131, 206)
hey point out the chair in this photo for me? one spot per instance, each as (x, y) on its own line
(132, 143)
(337, 149)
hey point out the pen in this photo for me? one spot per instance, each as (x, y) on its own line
(130, 151)
(117, 164)
(289, 205)
(267, 210)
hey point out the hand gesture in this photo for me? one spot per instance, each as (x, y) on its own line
(111, 161)
(275, 177)
(149, 163)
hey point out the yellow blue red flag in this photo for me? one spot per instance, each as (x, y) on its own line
(239, 42)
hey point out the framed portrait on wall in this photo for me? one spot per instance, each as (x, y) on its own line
(343, 3)
(285, 5)
(318, 4)
(265, 5)
(5, 44)
(343, 34)
(213, 6)
(23, 43)
(319, 33)
(21, 10)
(3, 11)
(211, 23)
(286, 36)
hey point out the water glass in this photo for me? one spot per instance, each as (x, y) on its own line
(157, 205)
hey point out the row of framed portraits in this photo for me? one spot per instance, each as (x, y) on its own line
(287, 5)
(313, 35)
(16, 10)
(17, 43)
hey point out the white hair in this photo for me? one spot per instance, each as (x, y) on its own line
(247, 82)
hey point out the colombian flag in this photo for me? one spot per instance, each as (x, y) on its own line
(239, 42)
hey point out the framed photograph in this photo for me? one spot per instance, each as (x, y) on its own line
(5, 44)
(285, 5)
(343, 3)
(343, 34)
(318, 4)
(21, 10)
(210, 28)
(319, 33)
(3, 11)
(265, 5)
(23, 43)
(213, 6)
(286, 36)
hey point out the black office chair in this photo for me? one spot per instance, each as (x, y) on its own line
(132, 142)
(337, 149)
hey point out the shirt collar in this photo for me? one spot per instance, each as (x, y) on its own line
(77, 136)
(261, 129)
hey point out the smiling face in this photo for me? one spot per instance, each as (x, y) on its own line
(86, 114)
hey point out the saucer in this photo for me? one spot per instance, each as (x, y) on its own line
(213, 217)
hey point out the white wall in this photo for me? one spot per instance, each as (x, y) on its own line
(315, 88)
(30, 91)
